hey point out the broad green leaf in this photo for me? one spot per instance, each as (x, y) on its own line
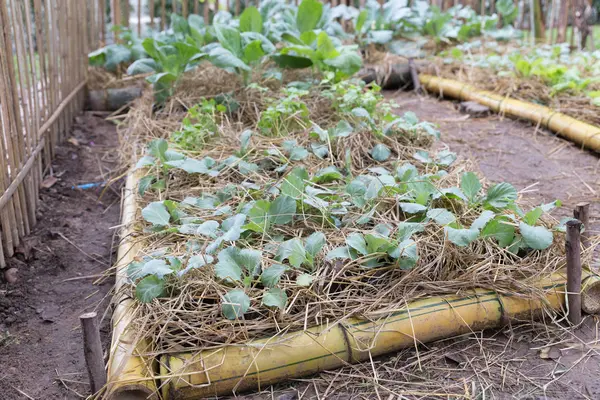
(407, 229)
(207, 228)
(536, 237)
(325, 47)
(380, 152)
(291, 61)
(441, 216)
(314, 243)
(251, 20)
(360, 20)
(275, 297)
(328, 174)
(445, 158)
(423, 156)
(292, 250)
(470, 185)
(232, 227)
(461, 237)
(293, 184)
(164, 78)
(304, 280)
(158, 148)
(342, 129)
(145, 161)
(298, 153)
(532, 216)
(339, 252)
(319, 150)
(376, 242)
(282, 210)
(229, 38)
(149, 288)
(245, 141)
(451, 193)
(503, 233)
(481, 221)
(145, 183)
(406, 253)
(143, 66)
(258, 217)
(412, 208)
(308, 37)
(349, 62)
(156, 213)
(234, 261)
(224, 58)
(308, 15)
(501, 195)
(253, 51)
(551, 206)
(193, 166)
(157, 267)
(235, 304)
(356, 241)
(270, 277)
(179, 24)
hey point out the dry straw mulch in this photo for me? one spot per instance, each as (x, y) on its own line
(191, 319)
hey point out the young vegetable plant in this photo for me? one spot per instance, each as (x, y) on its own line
(375, 249)
(150, 275)
(160, 159)
(239, 50)
(308, 48)
(198, 126)
(166, 63)
(285, 115)
(114, 56)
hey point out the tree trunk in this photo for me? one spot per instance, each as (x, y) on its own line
(563, 20)
(583, 12)
(540, 29)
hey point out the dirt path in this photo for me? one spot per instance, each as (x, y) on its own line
(40, 339)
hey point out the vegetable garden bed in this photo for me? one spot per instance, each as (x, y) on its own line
(269, 201)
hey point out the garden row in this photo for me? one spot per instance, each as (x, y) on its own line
(278, 198)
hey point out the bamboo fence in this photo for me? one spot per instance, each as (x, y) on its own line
(43, 63)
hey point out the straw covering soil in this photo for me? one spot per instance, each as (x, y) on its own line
(189, 313)
(532, 89)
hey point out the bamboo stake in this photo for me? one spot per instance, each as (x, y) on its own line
(582, 213)
(197, 7)
(184, 8)
(102, 23)
(151, 11)
(92, 350)
(139, 17)
(163, 14)
(574, 271)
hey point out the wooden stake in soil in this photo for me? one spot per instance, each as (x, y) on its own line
(92, 348)
(574, 271)
(414, 75)
(582, 213)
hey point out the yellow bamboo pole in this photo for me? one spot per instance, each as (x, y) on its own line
(584, 134)
(128, 371)
(263, 362)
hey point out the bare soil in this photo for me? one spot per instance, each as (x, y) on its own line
(41, 353)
